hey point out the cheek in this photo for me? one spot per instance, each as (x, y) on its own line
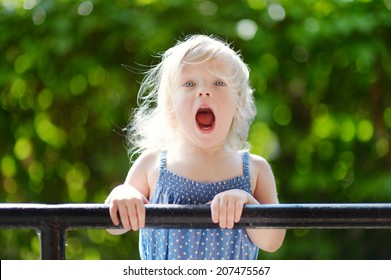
(183, 98)
(181, 109)
(231, 111)
(230, 105)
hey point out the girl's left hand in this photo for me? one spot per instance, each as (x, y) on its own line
(227, 207)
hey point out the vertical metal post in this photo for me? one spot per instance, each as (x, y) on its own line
(52, 239)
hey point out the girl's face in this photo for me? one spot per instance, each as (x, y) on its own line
(203, 104)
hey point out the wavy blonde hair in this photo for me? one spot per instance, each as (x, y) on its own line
(152, 125)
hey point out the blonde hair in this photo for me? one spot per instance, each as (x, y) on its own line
(152, 125)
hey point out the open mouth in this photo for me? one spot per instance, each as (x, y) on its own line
(205, 118)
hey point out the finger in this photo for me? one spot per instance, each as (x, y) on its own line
(214, 207)
(231, 205)
(223, 213)
(133, 216)
(123, 213)
(141, 215)
(142, 212)
(114, 214)
(238, 211)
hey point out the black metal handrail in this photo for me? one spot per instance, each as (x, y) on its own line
(52, 221)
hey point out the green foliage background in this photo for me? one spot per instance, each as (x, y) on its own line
(322, 75)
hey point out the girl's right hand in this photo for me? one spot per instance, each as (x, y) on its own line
(127, 207)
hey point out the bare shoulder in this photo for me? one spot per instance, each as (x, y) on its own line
(259, 167)
(262, 180)
(259, 162)
(144, 172)
(148, 159)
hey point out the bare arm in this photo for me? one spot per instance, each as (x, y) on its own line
(127, 200)
(227, 206)
(265, 193)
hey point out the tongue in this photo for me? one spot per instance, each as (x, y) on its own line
(205, 119)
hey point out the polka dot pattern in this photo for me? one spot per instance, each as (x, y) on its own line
(195, 244)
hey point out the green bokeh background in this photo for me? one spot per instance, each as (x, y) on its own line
(322, 77)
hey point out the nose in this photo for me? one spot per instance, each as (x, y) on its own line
(204, 94)
(204, 91)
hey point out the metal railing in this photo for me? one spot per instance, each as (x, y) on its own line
(52, 221)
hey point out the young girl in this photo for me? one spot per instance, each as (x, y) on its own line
(194, 151)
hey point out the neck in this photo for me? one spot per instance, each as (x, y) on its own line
(188, 149)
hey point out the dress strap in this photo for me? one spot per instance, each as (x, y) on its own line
(246, 164)
(163, 160)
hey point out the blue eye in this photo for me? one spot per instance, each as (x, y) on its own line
(189, 84)
(219, 83)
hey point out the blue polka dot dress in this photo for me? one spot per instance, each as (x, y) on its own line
(195, 244)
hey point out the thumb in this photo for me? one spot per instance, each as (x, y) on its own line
(145, 200)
